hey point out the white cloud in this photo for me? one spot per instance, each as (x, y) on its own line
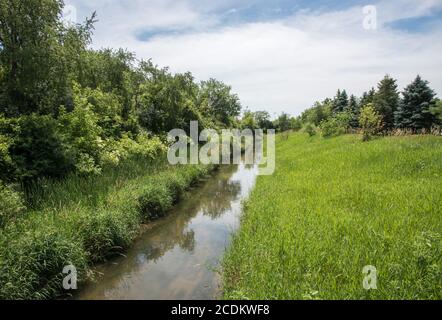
(282, 65)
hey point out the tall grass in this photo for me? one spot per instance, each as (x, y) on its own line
(82, 220)
(334, 206)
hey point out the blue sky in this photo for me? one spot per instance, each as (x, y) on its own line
(278, 55)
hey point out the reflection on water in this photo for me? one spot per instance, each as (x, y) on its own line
(176, 257)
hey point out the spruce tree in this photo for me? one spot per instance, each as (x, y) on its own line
(353, 110)
(340, 101)
(386, 101)
(414, 110)
(367, 97)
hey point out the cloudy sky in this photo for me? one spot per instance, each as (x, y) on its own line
(279, 55)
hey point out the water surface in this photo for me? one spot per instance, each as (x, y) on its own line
(176, 257)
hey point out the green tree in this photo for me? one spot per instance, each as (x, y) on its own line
(36, 51)
(296, 123)
(283, 122)
(370, 122)
(437, 109)
(248, 120)
(167, 101)
(367, 97)
(319, 112)
(352, 110)
(340, 101)
(217, 100)
(386, 101)
(262, 119)
(414, 111)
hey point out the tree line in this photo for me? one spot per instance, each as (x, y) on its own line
(67, 108)
(415, 109)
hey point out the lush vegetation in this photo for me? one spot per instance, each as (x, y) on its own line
(84, 220)
(83, 135)
(417, 111)
(334, 206)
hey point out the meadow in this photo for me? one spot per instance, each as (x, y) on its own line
(81, 220)
(334, 206)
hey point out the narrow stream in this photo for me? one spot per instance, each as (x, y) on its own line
(176, 257)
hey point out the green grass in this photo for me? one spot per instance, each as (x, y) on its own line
(82, 220)
(334, 206)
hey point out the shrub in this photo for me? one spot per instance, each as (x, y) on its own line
(11, 205)
(8, 128)
(105, 105)
(6, 164)
(116, 151)
(331, 127)
(370, 122)
(81, 135)
(310, 129)
(336, 125)
(38, 150)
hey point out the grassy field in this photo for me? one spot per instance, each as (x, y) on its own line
(82, 220)
(334, 206)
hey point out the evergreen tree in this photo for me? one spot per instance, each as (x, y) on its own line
(437, 110)
(367, 97)
(340, 102)
(414, 111)
(353, 110)
(386, 101)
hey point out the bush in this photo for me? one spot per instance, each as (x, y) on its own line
(6, 164)
(117, 150)
(105, 105)
(336, 125)
(38, 150)
(370, 122)
(310, 129)
(11, 205)
(81, 135)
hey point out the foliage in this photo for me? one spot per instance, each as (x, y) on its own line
(367, 97)
(336, 125)
(386, 101)
(296, 124)
(80, 220)
(11, 205)
(437, 110)
(167, 101)
(283, 122)
(353, 110)
(319, 112)
(263, 121)
(415, 108)
(36, 48)
(248, 121)
(6, 164)
(37, 149)
(216, 99)
(310, 129)
(340, 102)
(370, 122)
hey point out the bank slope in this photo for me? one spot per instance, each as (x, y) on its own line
(333, 207)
